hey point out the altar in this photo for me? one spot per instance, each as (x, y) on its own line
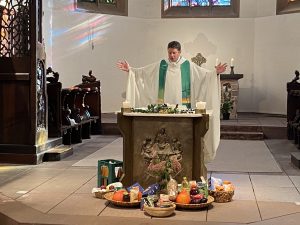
(155, 142)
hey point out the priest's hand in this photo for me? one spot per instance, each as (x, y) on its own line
(220, 68)
(123, 65)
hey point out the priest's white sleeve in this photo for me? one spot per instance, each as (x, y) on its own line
(207, 88)
(142, 85)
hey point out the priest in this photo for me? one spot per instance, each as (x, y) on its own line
(177, 80)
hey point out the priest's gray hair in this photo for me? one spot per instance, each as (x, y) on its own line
(175, 44)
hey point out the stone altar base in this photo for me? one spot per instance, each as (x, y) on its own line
(152, 141)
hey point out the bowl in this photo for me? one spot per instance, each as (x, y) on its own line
(159, 212)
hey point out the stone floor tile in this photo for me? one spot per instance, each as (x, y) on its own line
(270, 181)
(4, 199)
(67, 182)
(87, 187)
(60, 186)
(44, 172)
(243, 156)
(14, 193)
(79, 204)
(270, 210)
(43, 202)
(12, 170)
(292, 171)
(237, 179)
(283, 146)
(234, 212)
(295, 180)
(23, 183)
(283, 194)
(292, 219)
(243, 193)
(116, 211)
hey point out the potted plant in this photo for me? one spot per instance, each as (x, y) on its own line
(226, 108)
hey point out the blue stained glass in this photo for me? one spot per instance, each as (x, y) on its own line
(200, 3)
(180, 3)
(166, 4)
(222, 2)
(195, 3)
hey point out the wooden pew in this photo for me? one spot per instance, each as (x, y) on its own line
(75, 112)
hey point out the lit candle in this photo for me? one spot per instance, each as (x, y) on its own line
(126, 105)
(200, 105)
(217, 61)
(231, 62)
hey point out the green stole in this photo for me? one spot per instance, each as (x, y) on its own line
(185, 82)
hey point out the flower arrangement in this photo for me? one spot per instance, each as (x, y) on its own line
(163, 169)
(159, 108)
(162, 156)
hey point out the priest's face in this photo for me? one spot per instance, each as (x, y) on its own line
(174, 54)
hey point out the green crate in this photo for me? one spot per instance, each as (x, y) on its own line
(111, 165)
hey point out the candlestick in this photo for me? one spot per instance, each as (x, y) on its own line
(231, 61)
(217, 61)
(126, 107)
(231, 70)
(126, 104)
(200, 107)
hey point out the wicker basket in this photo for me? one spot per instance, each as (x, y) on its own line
(210, 200)
(108, 196)
(160, 212)
(222, 196)
(100, 195)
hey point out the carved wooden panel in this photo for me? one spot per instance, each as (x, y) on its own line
(15, 29)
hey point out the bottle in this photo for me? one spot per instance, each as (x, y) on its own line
(185, 183)
(172, 188)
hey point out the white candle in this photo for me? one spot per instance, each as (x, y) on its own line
(200, 105)
(126, 105)
(217, 61)
(231, 62)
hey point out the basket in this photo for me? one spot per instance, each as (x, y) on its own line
(159, 212)
(111, 164)
(108, 196)
(222, 196)
(100, 195)
(210, 200)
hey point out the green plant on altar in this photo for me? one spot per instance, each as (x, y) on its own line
(158, 108)
(226, 108)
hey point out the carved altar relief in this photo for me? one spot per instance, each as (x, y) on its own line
(162, 155)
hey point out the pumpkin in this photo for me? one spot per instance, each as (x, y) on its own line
(140, 196)
(183, 197)
(118, 195)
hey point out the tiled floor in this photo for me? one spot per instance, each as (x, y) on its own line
(60, 193)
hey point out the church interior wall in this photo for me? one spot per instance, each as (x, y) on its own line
(78, 42)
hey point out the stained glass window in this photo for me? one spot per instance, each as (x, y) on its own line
(200, 8)
(288, 6)
(113, 7)
(193, 3)
(166, 4)
(221, 2)
(109, 1)
(200, 2)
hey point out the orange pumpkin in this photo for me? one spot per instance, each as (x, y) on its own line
(183, 197)
(140, 196)
(118, 195)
